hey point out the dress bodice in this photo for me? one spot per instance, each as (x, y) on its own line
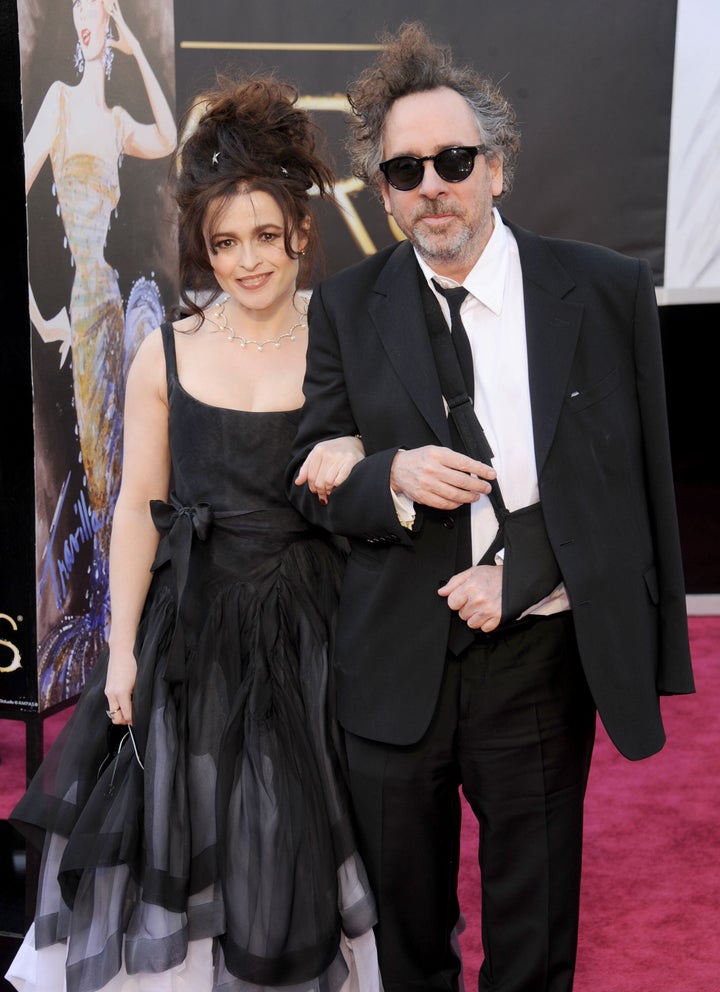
(234, 460)
(87, 185)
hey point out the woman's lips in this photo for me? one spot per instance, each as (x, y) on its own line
(254, 282)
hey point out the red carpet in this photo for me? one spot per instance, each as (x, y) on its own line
(650, 916)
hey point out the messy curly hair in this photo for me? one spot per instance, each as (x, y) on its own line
(246, 134)
(410, 62)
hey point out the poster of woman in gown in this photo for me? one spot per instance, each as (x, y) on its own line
(98, 95)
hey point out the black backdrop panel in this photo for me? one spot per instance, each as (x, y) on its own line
(591, 82)
(18, 684)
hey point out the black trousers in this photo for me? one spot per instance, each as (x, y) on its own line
(515, 728)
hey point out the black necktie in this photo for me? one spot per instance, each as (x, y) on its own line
(458, 333)
(460, 634)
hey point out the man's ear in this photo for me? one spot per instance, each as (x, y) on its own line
(384, 187)
(495, 165)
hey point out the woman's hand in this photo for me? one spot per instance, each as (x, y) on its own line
(55, 329)
(126, 40)
(119, 685)
(329, 464)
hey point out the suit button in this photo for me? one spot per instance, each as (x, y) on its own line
(449, 523)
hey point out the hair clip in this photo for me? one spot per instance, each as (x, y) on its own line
(215, 157)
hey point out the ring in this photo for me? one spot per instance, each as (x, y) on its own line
(111, 713)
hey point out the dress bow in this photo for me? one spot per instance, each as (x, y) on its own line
(178, 524)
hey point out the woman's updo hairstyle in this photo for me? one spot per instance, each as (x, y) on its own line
(244, 135)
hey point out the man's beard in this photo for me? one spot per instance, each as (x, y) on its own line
(441, 247)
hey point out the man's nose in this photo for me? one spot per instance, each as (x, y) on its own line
(431, 183)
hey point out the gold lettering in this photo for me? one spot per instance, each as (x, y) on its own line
(16, 659)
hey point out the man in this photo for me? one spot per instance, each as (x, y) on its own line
(568, 386)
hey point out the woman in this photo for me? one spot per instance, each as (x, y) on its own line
(208, 839)
(85, 140)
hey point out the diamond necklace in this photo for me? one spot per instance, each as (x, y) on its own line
(221, 322)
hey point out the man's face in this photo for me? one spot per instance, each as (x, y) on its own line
(448, 222)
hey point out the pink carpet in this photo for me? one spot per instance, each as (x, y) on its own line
(650, 913)
(650, 909)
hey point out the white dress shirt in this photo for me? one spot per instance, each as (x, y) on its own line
(493, 314)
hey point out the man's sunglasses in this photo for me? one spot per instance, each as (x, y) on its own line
(452, 164)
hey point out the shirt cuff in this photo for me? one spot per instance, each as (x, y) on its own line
(405, 509)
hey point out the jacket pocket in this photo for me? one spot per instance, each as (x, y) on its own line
(650, 576)
(580, 399)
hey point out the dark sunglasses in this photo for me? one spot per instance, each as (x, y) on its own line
(452, 164)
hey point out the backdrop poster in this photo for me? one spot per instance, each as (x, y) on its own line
(101, 259)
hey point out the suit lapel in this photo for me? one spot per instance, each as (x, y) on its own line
(397, 312)
(552, 326)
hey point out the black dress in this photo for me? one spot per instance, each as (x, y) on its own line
(222, 818)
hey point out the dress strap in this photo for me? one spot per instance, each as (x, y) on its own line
(168, 339)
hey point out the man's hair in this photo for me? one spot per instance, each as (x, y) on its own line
(411, 62)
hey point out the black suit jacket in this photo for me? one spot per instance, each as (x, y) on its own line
(604, 472)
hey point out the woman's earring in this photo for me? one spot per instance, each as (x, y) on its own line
(79, 59)
(108, 54)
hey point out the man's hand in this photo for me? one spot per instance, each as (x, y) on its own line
(476, 594)
(439, 477)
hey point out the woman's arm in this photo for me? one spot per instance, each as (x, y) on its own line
(36, 147)
(57, 328)
(36, 150)
(144, 140)
(134, 539)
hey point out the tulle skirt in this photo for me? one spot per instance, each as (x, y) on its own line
(211, 845)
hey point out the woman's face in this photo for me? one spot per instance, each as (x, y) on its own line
(246, 248)
(91, 21)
